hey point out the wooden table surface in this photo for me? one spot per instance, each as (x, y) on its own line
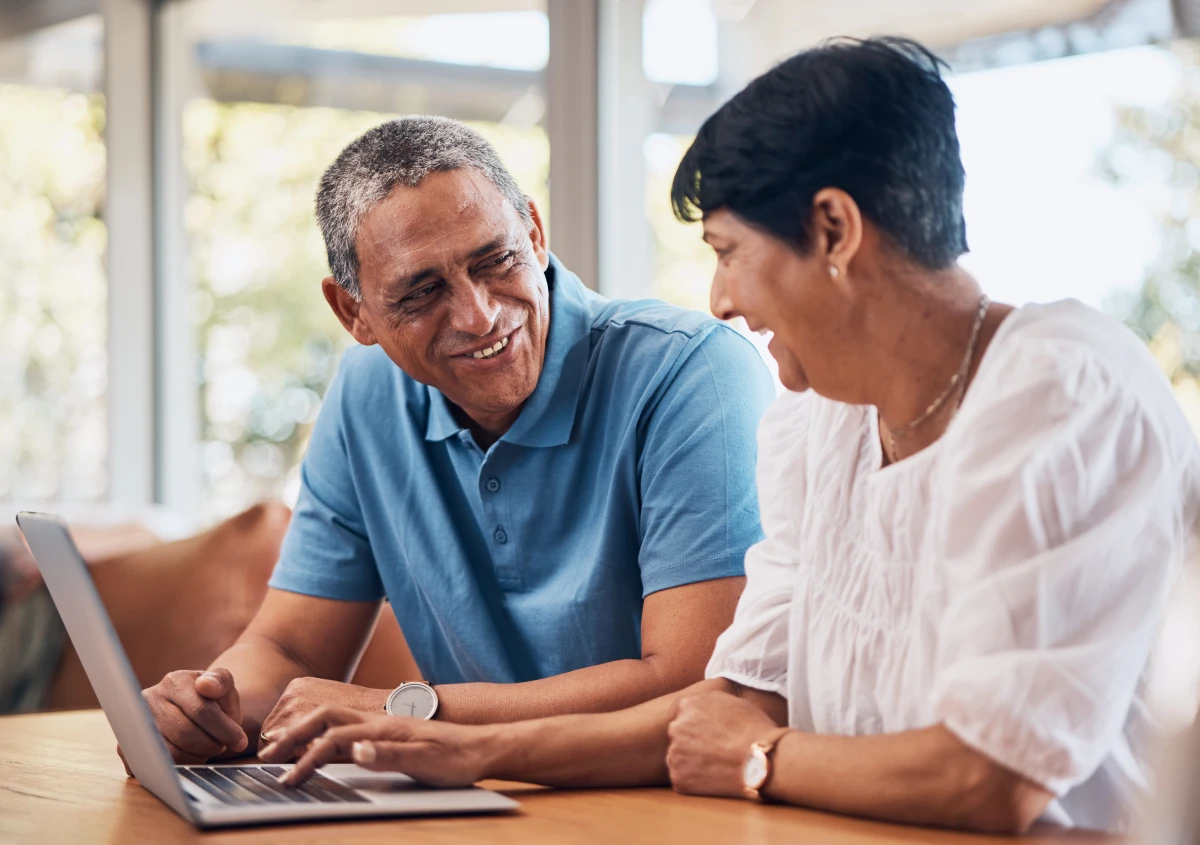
(61, 781)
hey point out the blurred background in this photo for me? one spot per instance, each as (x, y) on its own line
(163, 339)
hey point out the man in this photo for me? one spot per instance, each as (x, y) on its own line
(554, 492)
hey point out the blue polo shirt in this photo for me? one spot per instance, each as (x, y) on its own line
(629, 470)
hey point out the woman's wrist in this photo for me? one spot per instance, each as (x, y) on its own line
(502, 751)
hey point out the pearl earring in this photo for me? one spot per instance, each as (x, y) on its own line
(833, 272)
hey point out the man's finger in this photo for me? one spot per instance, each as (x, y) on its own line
(181, 756)
(124, 762)
(209, 716)
(181, 731)
(231, 703)
(215, 683)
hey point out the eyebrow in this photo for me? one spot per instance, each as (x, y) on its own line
(404, 284)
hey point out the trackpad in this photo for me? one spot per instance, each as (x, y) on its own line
(366, 780)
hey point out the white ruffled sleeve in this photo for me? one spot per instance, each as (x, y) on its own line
(753, 651)
(1064, 525)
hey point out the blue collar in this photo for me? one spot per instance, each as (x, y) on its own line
(549, 413)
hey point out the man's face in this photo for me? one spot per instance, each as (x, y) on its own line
(449, 273)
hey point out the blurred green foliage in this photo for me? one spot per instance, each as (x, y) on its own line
(1159, 148)
(53, 295)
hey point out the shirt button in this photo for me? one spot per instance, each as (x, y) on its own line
(493, 484)
(500, 536)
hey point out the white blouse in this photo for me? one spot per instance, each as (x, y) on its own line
(1008, 581)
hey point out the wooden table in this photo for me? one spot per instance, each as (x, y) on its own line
(61, 781)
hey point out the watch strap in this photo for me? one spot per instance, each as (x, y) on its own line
(765, 746)
(768, 745)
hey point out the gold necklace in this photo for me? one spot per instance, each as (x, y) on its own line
(959, 377)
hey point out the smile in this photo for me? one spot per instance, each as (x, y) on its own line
(489, 351)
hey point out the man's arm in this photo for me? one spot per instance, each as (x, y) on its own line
(679, 629)
(680, 626)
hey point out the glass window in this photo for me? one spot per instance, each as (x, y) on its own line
(53, 426)
(277, 99)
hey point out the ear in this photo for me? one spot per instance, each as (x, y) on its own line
(837, 229)
(348, 311)
(537, 236)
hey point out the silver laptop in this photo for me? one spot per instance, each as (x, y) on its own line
(229, 793)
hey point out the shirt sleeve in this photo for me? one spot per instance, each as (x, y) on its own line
(699, 512)
(1064, 527)
(753, 651)
(326, 552)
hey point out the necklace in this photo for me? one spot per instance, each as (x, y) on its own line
(959, 378)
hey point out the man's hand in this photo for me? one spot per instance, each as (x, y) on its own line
(711, 735)
(304, 695)
(198, 714)
(435, 753)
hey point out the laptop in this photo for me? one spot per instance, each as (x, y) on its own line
(224, 794)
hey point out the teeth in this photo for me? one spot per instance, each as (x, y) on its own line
(492, 350)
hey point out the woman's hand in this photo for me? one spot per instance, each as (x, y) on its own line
(711, 735)
(435, 753)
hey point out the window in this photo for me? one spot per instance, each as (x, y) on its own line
(53, 426)
(278, 99)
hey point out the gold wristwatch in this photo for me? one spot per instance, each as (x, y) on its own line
(756, 771)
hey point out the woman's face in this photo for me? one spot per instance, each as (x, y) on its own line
(778, 289)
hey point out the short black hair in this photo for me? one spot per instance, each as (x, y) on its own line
(872, 117)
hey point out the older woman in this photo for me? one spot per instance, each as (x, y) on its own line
(971, 527)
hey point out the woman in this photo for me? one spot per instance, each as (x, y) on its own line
(971, 527)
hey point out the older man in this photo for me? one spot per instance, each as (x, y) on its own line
(555, 492)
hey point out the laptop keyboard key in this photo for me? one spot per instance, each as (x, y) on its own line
(243, 779)
(322, 789)
(198, 781)
(342, 791)
(269, 782)
(239, 794)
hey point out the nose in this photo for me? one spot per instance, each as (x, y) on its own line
(719, 302)
(472, 309)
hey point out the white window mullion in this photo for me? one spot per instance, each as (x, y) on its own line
(178, 481)
(128, 215)
(572, 108)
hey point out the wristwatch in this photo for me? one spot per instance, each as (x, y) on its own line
(414, 699)
(756, 771)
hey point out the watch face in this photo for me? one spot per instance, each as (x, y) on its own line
(415, 701)
(754, 772)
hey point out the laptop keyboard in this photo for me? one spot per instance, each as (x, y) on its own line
(258, 785)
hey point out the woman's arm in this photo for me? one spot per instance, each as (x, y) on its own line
(927, 776)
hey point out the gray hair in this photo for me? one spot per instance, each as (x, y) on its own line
(399, 152)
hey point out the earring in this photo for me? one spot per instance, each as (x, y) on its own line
(833, 272)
